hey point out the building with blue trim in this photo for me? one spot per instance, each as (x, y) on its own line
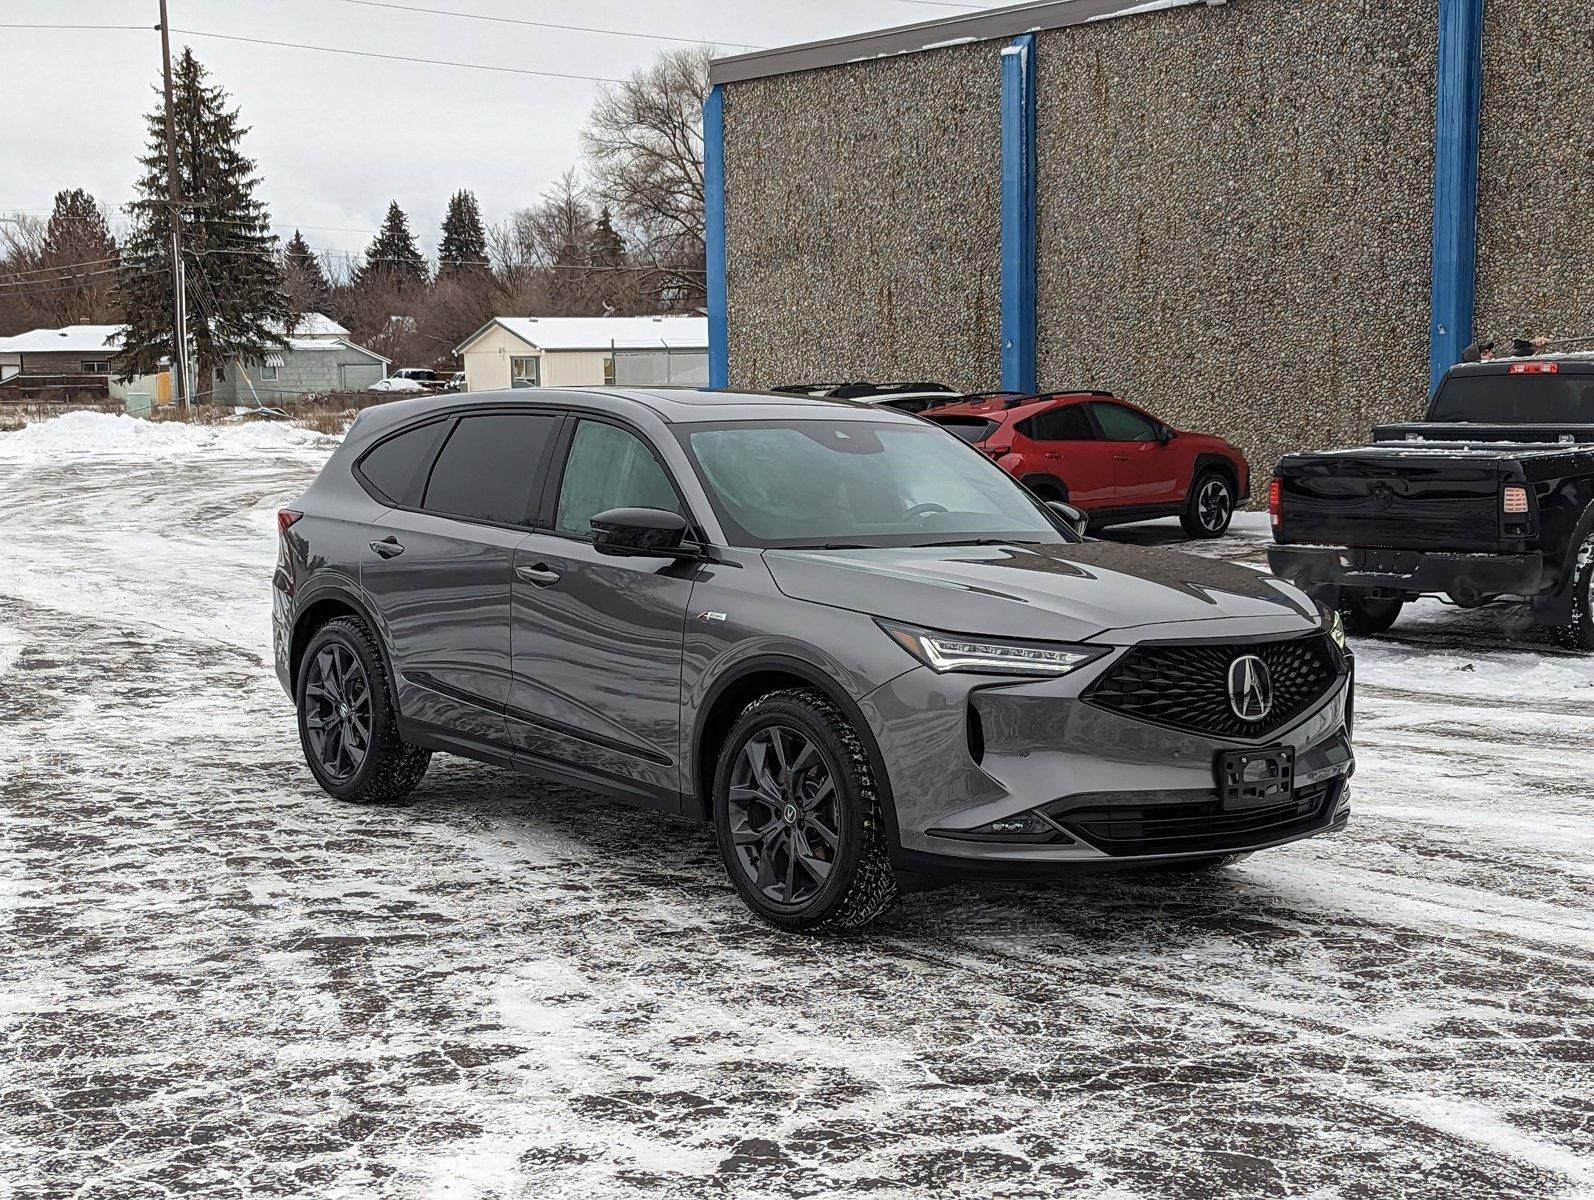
(1277, 219)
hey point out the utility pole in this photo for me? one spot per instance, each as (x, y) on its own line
(174, 199)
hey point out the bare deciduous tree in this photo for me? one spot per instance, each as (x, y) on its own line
(644, 144)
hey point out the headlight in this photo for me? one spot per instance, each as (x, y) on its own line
(943, 652)
(1335, 624)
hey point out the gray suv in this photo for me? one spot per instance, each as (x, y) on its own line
(839, 633)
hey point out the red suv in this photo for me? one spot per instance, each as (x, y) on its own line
(1106, 457)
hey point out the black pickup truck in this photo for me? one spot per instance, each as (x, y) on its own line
(1489, 500)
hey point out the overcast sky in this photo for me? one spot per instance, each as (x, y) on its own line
(337, 137)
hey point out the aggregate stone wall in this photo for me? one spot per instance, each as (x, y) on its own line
(1235, 215)
(1536, 169)
(863, 221)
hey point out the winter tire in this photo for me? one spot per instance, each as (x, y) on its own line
(347, 725)
(1209, 508)
(1578, 633)
(797, 816)
(1366, 614)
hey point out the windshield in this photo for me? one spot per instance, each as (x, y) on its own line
(1516, 400)
(843, 484)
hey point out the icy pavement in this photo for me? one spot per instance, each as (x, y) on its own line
(215, 980)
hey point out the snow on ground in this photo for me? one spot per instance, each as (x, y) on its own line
(216, 980)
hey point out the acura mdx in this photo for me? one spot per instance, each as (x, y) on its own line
(841, 634)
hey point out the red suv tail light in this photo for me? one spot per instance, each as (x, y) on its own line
(285, 518)
(1275, 498)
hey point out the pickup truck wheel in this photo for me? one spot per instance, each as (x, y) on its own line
(1209, 507)
(1365, 614)
(1578, 633)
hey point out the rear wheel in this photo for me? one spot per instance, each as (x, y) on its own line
(1367, 612)
(797, 816)
(1578, 633)
(347, 724)
(1209, 507)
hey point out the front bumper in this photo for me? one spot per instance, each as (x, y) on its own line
(1321, 571)
(962, 751)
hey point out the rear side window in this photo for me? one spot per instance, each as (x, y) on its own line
(489, 466)
(972, 430)
(396, 469)
(1069, 423)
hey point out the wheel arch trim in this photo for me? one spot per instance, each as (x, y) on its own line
(702, 799)
(342, 593)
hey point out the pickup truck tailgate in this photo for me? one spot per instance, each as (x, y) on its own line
(1392, 496)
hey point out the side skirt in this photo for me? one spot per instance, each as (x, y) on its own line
(613, 787)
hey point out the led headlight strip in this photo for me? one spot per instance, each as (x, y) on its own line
(943, 652)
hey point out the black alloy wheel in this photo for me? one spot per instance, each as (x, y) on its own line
(348, 724)
(798, 815)
(337, 711)
(785, 816)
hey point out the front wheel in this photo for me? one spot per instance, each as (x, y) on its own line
(797, 816)
(347, 723)
(1367, 613)
(1578, 633)
(1210, 506)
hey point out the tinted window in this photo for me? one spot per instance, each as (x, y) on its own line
(488, 467)
(1119, 424)
(973, 430)
(1516, 399)
(1067, 424)
(397, 467)
(609, 468)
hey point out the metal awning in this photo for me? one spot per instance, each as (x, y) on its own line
(274, 360)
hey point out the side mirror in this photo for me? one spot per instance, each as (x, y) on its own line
(639, 532)
(1070, 516)
(1166, 434)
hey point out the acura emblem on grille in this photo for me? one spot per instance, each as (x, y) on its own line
(1250, 688)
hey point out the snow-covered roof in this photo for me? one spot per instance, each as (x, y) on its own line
(69, 339)
(317, 343)
(318, 325)
(600, 333)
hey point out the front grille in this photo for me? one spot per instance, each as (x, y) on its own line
(1187, 686)
(1194, 826)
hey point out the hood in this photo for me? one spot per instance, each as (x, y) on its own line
(1049, 593)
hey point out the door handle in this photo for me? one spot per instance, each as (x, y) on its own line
(1053, 454)
(541, 575)
(1120, 458)
(388, 547)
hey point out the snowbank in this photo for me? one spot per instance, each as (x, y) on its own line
(81, 435)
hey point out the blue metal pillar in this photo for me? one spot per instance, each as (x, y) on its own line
(1018, 215)
(1455, 198)
(719, 363)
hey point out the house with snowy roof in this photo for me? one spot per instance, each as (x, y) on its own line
(317, 357)
(586, 352)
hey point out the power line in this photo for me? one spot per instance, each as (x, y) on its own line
(431, 62)
(8, 273)
(443, 12)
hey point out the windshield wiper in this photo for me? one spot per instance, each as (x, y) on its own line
(985, 541)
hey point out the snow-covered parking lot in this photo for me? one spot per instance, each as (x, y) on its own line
(216, 980)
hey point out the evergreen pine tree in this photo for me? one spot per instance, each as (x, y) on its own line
(608, 248)
(303, 280)
(79, 254)
(463, 249)
(392, 260)
(236, 306)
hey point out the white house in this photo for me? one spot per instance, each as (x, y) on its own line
(586, 352)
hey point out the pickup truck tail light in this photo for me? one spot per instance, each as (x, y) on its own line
(1275, 497)
(1514, 501)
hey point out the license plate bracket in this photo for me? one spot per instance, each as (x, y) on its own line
(1254, 778)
